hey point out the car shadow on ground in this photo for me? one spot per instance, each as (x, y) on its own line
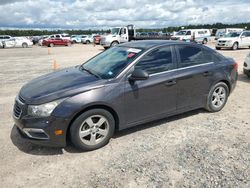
(243, 78)
(29, 148)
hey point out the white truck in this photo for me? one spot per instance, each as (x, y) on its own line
(234, 40)
(198, 35)
(118, 35)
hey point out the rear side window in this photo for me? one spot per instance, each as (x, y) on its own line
(156, 61)
(190, 55)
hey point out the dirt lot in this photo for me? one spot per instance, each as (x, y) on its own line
(195, 149)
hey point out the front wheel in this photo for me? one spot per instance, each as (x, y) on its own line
(51, 45)
(25, 45)
(114, 43)
(217, 97)
(92, 130)
(235, 46)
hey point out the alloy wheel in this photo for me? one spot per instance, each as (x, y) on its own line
(94, 130)
(219, 97)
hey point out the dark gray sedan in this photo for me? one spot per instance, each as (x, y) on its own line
(127, 85)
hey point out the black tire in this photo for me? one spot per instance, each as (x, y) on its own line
(217, 48)
(51, 45)
(210, 106)
(68, 44)
(87, 41)
(204, 41)
(114, 43)
(25, 45)
(235, 46)
(78, 123)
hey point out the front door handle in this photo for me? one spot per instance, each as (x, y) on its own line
(170, 83)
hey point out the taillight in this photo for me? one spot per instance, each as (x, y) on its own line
(235, 66)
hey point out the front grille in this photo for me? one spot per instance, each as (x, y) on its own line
(21, 99)
(17, 110)
(222, 41)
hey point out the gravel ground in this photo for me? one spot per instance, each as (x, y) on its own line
(194, 149)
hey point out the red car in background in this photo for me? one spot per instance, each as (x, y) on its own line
(50, 42)
(97, 39)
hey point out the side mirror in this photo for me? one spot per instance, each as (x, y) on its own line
(138, 74)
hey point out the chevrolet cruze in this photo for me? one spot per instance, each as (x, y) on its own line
(124, 86)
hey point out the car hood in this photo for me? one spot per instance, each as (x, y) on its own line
(59, 84)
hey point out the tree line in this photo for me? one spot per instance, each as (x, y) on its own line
(33, 32)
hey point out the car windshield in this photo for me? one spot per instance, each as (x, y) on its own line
(232, 35)
(111, 62)
(115, 31)
(181, 33)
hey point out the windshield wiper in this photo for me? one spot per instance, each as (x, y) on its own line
(90, 72)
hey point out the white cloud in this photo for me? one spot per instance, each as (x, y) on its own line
(85, 14)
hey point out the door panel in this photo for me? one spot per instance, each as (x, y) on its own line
(194, 75)
(193, 85)
(146, 99)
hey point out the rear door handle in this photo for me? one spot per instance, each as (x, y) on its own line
(170, 83)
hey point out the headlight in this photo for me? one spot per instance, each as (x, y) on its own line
(43, 110)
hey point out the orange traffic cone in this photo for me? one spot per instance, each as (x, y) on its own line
(49, 51)
(55, 65)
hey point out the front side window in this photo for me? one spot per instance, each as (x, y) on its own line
(111, 62)
(158, 60)
(188, 33)
(190, 55)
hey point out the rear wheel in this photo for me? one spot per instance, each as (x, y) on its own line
(204, 41)
(25, 45)
(217, 97)
(51, 45)
(68, 44)
(92, 130)
(87, 42)
(235, 46)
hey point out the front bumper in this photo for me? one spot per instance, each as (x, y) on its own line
(105, 43)
(224, 45)
(41, 131)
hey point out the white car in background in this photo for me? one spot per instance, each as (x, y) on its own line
(88, 39)
(17, 42)
(246, 66)
(234, 40)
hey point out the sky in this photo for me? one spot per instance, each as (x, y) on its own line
(103, 14)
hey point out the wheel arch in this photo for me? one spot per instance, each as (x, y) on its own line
(95, 106)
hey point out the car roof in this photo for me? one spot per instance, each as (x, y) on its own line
(147, 44)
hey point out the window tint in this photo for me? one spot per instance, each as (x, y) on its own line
(57, 36)
(188, 33)
(210, 56)
(158, 60)
(248, 34)
(190, 55)
(244, 34)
